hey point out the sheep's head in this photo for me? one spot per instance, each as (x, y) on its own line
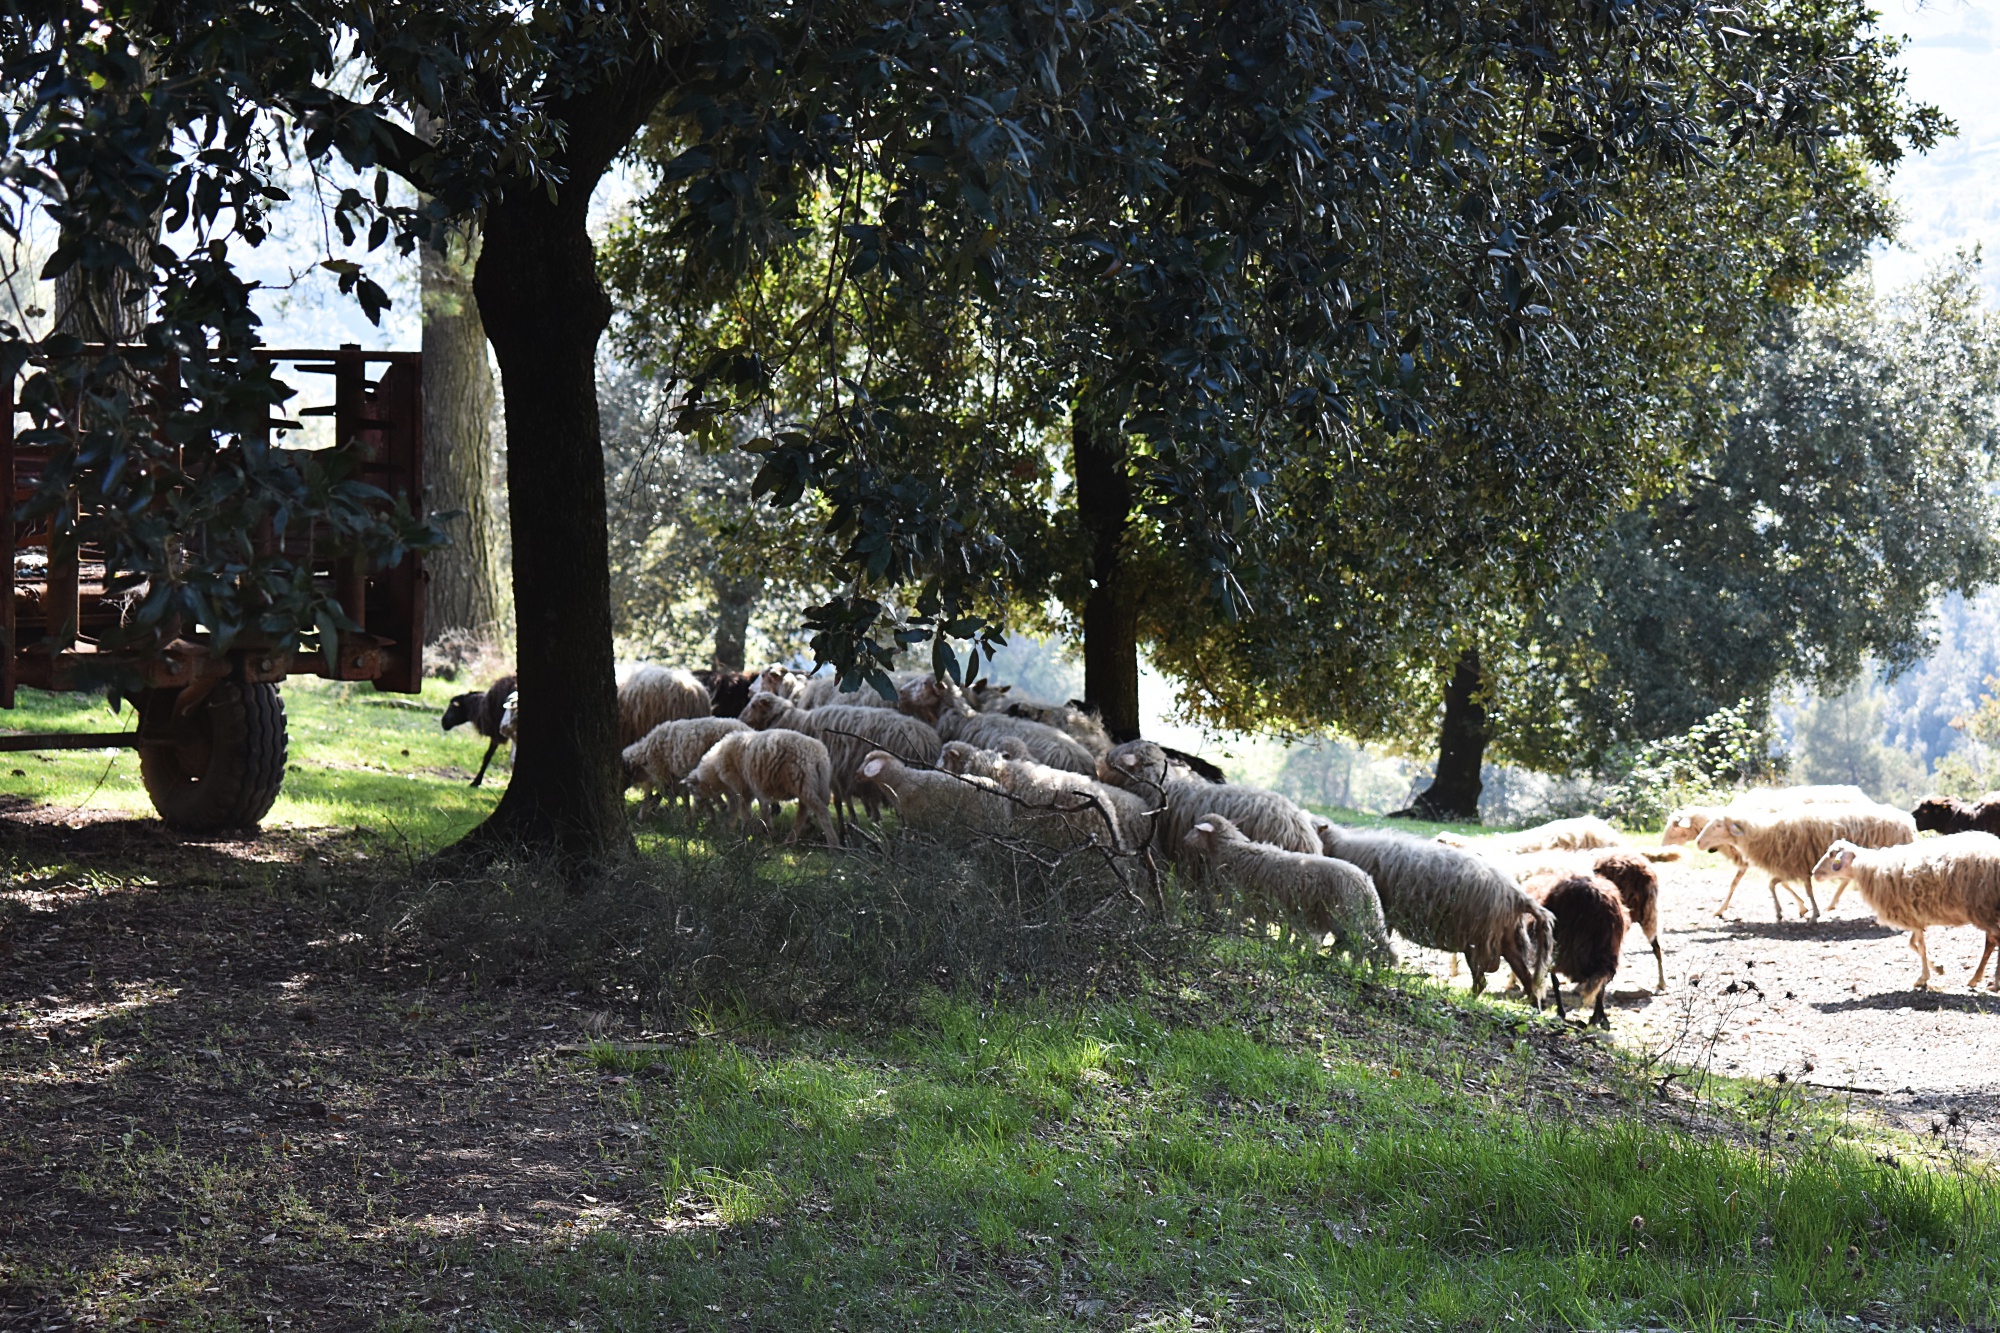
(1934, 814)
(1141, 765)
(1209, 832)
(879, 767)
(986, 696)
(925, 699)
(1719, 832)
(1684, 826)
(463, 708)
(1838, 863)
(630, 761)
(763, 710)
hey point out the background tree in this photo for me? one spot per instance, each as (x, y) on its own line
(466, 589)
(1853, 488)
(949, 140)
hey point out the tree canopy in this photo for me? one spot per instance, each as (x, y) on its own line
(1269, 230)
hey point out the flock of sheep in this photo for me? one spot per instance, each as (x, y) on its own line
(1556, 901)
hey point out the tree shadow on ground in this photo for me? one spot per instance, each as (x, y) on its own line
(213, 1099)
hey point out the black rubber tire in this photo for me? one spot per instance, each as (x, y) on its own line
(219, 767)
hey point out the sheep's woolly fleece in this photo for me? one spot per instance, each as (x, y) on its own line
(848, 733)
(1034, 785)
(1590, 926)
(958, 721)
(1315, 895)
(1952, 880)
(651, 695)
(1141, 767)
(662, 759)
(747, 768)
(934, 800)
(1786, 844)
(1579, 834)
(1444, 898)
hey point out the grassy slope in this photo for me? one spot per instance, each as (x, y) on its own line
(1255, 1143)
(1323, 1152)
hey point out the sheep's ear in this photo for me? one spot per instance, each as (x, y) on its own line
(1129, 760)
(871, 768)
(1205, 827)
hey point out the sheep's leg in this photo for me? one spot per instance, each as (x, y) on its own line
(822, 817)
(1522, 973)
(491, 745)
(1923, 951)
(1992, 944)
(1660, 961)
(1478, 973)
(1555, 992)
(1598, 1018)
(1454, 967)
(1779, 907)
(1811, 898)
(1742, 869)
(1839, 887)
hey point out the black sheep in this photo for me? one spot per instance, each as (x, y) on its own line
(729, 689)
(1590, 935)
(1948, 814)
(1638, 884)
(482, 709)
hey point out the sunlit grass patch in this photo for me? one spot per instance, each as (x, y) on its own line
(358, 759)
(993, 1166)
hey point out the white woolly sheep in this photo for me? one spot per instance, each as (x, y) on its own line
(661, 760)
(650, 695)
(935, 800)
(1685, 824)
(1079, 723)
(1315, 895)
(1143, 768)
(1785, 844)
(958, 721)
(849, 734)
(1578, 834)
(748, 768)
(1443, 898)
(1121, 818)
(1949, 881)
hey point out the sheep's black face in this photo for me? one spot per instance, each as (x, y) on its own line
(462, 709)
(1935, 814)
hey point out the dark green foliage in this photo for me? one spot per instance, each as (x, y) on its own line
(1852, 489)
(1376, 300)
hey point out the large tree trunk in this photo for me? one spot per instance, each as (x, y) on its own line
(734, 600)
(1111, 611)
(458, 457)
(1454, 791)
(544, 310)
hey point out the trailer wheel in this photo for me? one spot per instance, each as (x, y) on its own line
(220, 765)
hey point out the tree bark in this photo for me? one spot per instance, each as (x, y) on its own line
(1111, 611)
(1462, 737)
(734, 600)
(544, 311)
(458, 455)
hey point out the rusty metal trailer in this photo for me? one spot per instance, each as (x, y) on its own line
(211, 725)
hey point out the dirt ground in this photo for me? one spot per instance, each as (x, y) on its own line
(204, 1099)
(1831, 1004)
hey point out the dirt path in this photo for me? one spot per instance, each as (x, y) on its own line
(1832, 1004)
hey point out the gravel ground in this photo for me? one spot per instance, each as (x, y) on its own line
(1831, 1004)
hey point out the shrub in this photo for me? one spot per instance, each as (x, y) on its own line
(1722, 751)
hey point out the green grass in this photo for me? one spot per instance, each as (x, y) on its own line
(359, 758)
(1216, 1133)
(1240, 1163)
